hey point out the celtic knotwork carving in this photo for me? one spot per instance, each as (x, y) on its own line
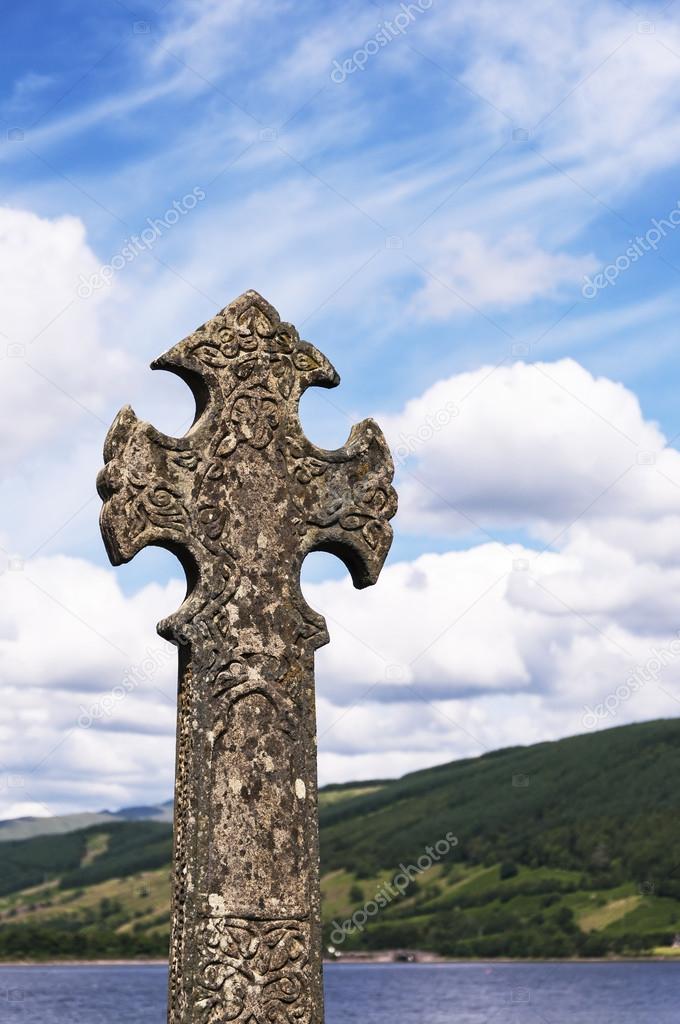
(361, 498)
(254, 418)
(154, 505)
(253, 971)
(246, 331)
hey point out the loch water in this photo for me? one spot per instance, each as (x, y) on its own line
(470, 993)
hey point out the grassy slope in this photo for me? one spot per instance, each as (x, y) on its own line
(586, 829)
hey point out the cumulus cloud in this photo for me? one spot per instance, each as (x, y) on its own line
(532, 445)
(498, 645)
(451, 654)
(448, 656)
(512, 642)
(53, 361)
(495, 619)
(88, 710)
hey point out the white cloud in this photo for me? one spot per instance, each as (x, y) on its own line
(499, 274)
(531, 445)
(509, 643)
(480, 624)
(203, 32)
(528, 64)
(512, 655)
(487, 655)
(88, 711)
(55, 369)
(601, 89)
(25, 809)
(449, 655)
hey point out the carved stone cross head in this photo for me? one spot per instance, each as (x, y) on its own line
(241, 499)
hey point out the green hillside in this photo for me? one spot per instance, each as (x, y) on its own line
(560, 849)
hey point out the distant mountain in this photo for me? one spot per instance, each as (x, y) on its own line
(159, 812)
(560, 849)
(31, 828)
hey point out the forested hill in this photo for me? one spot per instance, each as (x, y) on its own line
(569, 848)
(598, 803)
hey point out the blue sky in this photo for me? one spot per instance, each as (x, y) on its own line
(423, 190)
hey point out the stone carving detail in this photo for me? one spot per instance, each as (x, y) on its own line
(241, 499)
(252, 971)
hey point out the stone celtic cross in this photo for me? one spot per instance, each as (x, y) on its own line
(241, 499)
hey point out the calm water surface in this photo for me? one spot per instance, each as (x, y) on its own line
(617, 993)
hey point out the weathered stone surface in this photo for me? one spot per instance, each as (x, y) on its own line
(241, 499)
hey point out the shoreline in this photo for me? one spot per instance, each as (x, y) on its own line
(439, 961)
(84, 963)
(381, 959)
